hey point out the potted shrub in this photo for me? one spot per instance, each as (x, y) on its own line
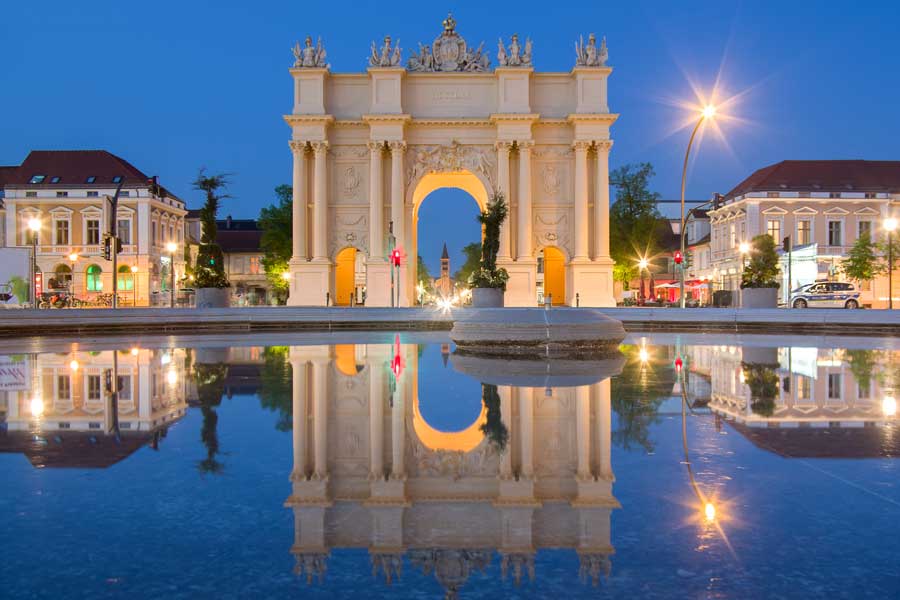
(759, 280)
(209, 272)
(763, 383)
(488, 283)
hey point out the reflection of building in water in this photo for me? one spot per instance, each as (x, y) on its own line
(801, 401)
(63, 413)
(370, 472)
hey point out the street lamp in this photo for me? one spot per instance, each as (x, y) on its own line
(642, 264)
(171, 247)
(708, 112)
(744, 249)
(73, 258)
(890, 224)
(34, 226)
(134, 270)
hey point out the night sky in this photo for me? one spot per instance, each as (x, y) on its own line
(172, 86)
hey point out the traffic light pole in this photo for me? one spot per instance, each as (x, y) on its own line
(114, 243)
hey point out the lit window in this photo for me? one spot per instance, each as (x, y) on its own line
(803, 387)
(91, 179)
(94, 278)
(93, 231)
(54, 179)
(94, 391)
(37, 179)
(834, 233)
(123, 230)
(254, 265)
(773, 228)
(123, 387)
(804, 232)
(125, 279)
(63, 387)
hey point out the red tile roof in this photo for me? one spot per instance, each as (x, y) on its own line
(5, 174)
(823, 176)
(73, 167)
(239, 240)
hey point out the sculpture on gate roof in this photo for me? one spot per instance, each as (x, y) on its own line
(589, 55)
(516, 57)
(387, 56)
(309, 56)
(449, 53)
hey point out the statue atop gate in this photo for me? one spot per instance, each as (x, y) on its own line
(449, 53)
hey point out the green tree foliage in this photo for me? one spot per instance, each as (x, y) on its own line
(894, 248)
(637, 393)
(488, 275)
(210, 381)
(862, 262)
(864, 365)
(472, 253)
(762, 269)
(493, 428)
(423, 277)
(763, 383)
(636, 227)
(209, 271)
(276, 390)
(276, 223)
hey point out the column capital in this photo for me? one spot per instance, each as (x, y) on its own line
(503, 145)
(525, 144)
(581, 145)
(374, 145)
(603, 145)
(297, 145)
(397, 146)
(319, 146)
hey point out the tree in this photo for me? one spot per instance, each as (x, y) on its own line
(493, 427)
(637, 393)
(862, 262)
(763, 383)
(210, 381)
(276, 223)
(762, 268)
(209, 272)
(275, 386)
(635, 222)
(472, 252)
(488, 275)
(423, 277)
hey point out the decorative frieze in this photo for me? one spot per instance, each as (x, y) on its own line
(449, 158)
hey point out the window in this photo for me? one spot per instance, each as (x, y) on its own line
(540, 264)
(733, 236)
(94, 392)
(63, 387)
(117, 179)
(771, 194)
(123, 387)
(254, 265)
(62, 194)
(804, 232)
(803, 387)
(91, 179)
(123, 229)
(803, 194)
(834, 194)
(54, 179)
(125, 279)
(834, 386)
(834, 233)
(153, 234)
(870, 195)
(92, 194)
(124, 194)
(93, 232)
(864, 228)
(31, 194)
(63, 276)
(773, 228)
(37, 179)
(93, 278)
(61, 232)
(171, 233)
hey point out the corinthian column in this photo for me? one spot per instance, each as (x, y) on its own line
(503, 186)
(298, 419)
(298, 220)
(583, 431)
(376, 422)
(320, 417)
(320, 202)
(526, 423)
(525, 218)
(376, 202)
(505, 393)
(604, 430)
(581, 201)
(397, 187)
(601, 201)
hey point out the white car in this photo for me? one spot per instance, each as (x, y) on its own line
(826, 294)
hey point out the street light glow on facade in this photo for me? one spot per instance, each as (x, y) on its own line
(890, 224)
(171, 247)
(34, 224)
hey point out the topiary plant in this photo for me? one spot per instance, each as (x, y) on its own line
(762, 270)
(488, 275)
(209, 272)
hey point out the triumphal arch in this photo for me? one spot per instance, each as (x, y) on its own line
(369, 147)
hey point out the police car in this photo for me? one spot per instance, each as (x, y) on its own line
(826, 294)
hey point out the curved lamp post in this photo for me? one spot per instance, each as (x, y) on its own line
(890, 224)
(171, 247)
(707, 113)
(34, 226)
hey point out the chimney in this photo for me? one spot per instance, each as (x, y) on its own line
(228, 222)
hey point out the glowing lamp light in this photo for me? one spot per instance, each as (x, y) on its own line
(742, 377)
(134, 268)
(890, 224)
(34, 224)
(643, 355)
(171, 247)
(37, 407)
(642, 264)
(73, 257)
(889, 406)
(709, 111)
(165, 358)
(135, 351)
(286, 276)
(172, 376)
(73, 365)
(709, 511)
(744, 247)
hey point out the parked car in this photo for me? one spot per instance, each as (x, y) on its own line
(826, 294)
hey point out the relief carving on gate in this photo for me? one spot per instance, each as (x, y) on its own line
(552, 228)
(351, 229)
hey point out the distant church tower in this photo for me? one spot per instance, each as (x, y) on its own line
(444, 285)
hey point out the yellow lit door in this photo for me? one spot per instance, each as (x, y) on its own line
(555, 275)
(344, 273)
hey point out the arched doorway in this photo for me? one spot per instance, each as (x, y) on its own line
(552, 265)
(448, 212)
(125, 279)
(347, 266)
(62, 278)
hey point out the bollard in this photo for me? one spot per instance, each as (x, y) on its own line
(548, 301)
(577, 300)
(327, 298)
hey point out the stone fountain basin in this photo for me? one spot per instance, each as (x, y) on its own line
(576, 333)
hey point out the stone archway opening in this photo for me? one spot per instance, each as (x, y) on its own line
(349, 277)
(552, 275)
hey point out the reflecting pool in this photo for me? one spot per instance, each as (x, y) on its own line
(345, 465)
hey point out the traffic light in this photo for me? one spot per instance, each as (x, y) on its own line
(118, 246)
(679, 258)
(678, 364)
(395, 257)
(107, 375)
(786, 244)
(107, 246)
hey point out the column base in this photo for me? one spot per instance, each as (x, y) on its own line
(310, 283)
(516, 492)
(592, 281)
(378, 283)
(521, 289)
(595, 493)
(387, 491)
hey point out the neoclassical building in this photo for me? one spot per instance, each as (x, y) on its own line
(369, 147)
(370, 472)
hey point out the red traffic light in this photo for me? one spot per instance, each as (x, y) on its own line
(395, 258)
(678, 364)
(679, 258)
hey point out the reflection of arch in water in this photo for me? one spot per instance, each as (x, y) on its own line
(464, 440)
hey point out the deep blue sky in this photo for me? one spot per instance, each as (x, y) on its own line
(172, 86)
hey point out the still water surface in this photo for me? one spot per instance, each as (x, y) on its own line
(766, 467)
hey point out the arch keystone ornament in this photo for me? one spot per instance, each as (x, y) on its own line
(376, 143)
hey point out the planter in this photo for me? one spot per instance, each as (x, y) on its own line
(487, 298)
(213, 297)
(759, 298)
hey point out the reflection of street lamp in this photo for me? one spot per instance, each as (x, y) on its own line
(707, 113)
(889, 406)
(34, 226)
(134, 270)
(171, 247)
(890, 224)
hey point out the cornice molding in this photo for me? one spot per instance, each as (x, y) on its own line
(387, 118)
(499, 117)
(309, 119)
(608, 118)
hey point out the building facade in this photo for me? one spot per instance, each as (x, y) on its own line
(822, 205)
(69, 192)
(369, 147)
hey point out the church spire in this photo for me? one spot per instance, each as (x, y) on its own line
(444, 255)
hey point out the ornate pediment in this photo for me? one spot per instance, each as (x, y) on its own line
(449, 53)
